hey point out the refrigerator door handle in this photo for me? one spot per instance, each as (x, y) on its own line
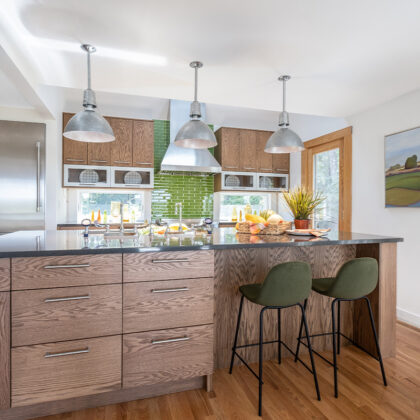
(38, 176)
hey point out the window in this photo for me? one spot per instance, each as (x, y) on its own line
(231, 202)
(90, 201)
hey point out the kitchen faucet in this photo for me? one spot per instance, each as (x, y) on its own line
(178, 210)
(122, 218)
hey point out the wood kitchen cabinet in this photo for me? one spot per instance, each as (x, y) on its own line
(264, 160)
(248, 150)
(122, 147)
(242, 150)
(74, 152)
(99, 154)
(281, 162)
(4, 350)
(143, 144)
(227, 151)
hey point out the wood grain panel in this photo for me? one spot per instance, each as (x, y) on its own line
(281, 163)
(36, 378)
(150, 266)
(234, 268)
(30, 273)
(264, 160)
(147, 306)
(74, 152)
(122, 147)
(383, 301)
(97, 313)
(4, 350)
(103, 399)
(228, 149)
(248, 150)
(99, 154)
(145, 363)
(143, 143)
(4, 274)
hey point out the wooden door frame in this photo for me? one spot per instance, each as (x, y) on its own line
(343, 140)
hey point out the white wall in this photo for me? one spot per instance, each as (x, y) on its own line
(369, 212)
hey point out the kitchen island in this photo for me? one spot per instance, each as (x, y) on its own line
(89, 321)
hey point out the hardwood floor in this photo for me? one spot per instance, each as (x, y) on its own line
(289, 392)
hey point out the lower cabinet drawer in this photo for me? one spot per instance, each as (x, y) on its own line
(71, 313)
(167, 304)
(48, 372)
(167, 355)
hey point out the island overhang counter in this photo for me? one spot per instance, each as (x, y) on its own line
(129, 319)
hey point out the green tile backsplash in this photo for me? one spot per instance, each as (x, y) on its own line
(195, 192)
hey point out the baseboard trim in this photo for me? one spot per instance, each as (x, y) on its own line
(408, 317)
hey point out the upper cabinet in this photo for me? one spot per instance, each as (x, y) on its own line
(143, 144)
(122, 147)
(242, 150)
(99, 154)
(227, 151)
(74, 152)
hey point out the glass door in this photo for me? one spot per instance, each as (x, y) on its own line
(326, 168)
(326, 181)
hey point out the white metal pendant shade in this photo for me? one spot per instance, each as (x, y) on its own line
(88, 125)
(195, 134)
(284, 140)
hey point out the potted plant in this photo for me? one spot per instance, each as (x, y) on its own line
(302, 203)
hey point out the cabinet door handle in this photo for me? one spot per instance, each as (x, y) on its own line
(74, 160)
(99, 161)
(170, 340)
(176, 289)
(85, 183)
(133, 185)
(66, 353)
(170, 261)
(48, 267)
(144, 163)
(63, 299)
(231, 167)
(121, 161)
(248, 168)
(266, 169)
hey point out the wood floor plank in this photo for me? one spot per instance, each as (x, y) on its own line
(289, 393)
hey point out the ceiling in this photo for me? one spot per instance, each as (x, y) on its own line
(344, 56)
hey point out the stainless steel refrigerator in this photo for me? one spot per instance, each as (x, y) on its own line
(22, 176)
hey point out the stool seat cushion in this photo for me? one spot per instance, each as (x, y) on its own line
(322, 285)
(355, 279)
(285, 285)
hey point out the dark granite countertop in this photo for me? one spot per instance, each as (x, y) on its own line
(64, 242)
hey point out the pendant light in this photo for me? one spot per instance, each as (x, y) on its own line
(195, 134)
(88, 125)
(284, 140)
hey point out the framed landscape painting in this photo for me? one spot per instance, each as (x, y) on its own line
(402, 169)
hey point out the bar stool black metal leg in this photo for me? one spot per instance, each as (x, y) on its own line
(310, 352)
(372, 322)
(338, 326)
(236, 334)
(305, 304)
(334, 348)
(260, 362)
(279, 333)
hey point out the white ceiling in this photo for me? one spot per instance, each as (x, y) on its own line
(344, 56)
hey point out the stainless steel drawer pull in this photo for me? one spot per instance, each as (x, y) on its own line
(170, 340)
(66, 353)
(48, 267)
(170, 261)
(63, 299)
(144, 163)
(231, 167)
(99, 161)
(121, 161)
(74, 160)
(248, 168)
(177, 289)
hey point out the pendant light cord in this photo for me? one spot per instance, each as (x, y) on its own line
(196, 83)
(88, 69)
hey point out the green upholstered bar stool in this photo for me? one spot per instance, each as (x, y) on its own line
(286, 285)
(355, 280)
